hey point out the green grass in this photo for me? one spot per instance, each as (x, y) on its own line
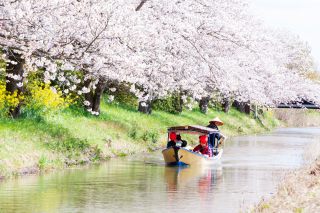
(74, 137)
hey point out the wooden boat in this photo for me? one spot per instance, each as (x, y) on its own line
(183, 156)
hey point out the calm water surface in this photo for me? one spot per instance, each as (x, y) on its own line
(251, 167)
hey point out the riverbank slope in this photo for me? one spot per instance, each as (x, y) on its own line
(299, 192)
(72, 137)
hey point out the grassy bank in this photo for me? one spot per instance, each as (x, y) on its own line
(39, 143)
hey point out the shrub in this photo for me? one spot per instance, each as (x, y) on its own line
(171, 104)
(42, 163)
(151, 136)
(69, 144)
(122, 94)
(133, 132)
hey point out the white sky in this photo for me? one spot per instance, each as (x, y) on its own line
(301, 17)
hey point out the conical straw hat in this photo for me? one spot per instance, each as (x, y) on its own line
(217, 121)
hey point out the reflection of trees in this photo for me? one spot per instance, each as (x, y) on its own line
(111, 183)
(116, 186)
(29, 194)
(115, 183)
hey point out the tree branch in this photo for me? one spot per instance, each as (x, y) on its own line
(98, 35)
(141, 4)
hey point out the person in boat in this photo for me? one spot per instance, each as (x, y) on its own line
(213, 124)
(173, 140)
(180, 142)
(213, 145)
(176, 141)
(203, 146)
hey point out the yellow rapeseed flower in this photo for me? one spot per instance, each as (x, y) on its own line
(8, 100)
(42, 96)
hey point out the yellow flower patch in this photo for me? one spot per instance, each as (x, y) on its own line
(7, 99)
(43, 96)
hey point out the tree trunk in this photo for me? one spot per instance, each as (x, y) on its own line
(145, 107)
(247, 108)
(98, 95)
(179, 102)
(94, 96)
(203, 104)
(11, 84)
(243, 107)
(226, 105)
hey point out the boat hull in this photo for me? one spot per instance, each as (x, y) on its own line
(173, 156)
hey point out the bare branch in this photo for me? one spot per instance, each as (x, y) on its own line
(98, 35)
(141, 4)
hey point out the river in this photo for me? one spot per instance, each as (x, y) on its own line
(251, 168)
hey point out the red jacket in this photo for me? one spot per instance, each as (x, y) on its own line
(203, 150)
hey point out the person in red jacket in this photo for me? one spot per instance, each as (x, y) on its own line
(173, 140)
(203, 146)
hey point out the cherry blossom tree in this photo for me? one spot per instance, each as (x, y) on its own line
(203, 48)
(79, 35)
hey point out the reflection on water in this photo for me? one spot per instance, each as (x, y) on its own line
(203, 178)
(250, 168)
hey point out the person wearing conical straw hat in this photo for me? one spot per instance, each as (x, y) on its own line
(213, 144)
(214, 123)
